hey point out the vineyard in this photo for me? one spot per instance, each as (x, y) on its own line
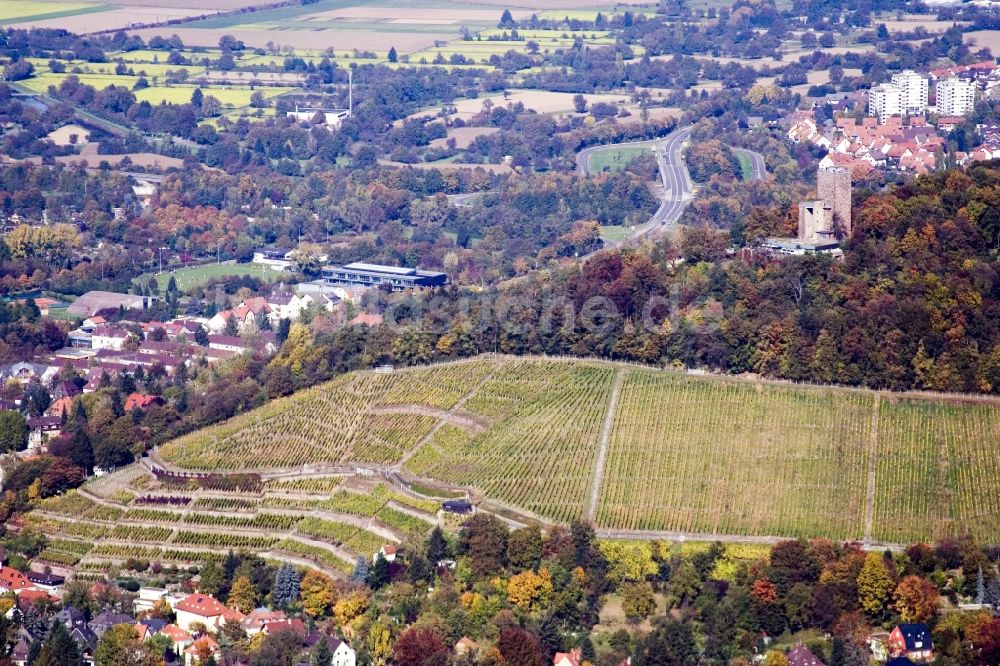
(683, 453)
(85, 529)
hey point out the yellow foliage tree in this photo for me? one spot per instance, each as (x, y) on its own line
(317, 593)
(242, 595)
(527, 590)
(350, 606)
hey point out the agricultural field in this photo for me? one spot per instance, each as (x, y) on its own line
(683, 454)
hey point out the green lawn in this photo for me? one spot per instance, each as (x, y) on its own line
(615, 234)
(745, 165)
(615, 158)
(196, 276)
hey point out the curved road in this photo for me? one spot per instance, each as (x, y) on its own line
(674, 177)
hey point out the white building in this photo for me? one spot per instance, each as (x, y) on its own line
(914, 89)
(203, 609)
(955, 97)
(885, 100)
(328, 117)
(109, 337)
(148, 597)
(343, 655)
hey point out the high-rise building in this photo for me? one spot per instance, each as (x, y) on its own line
(955, 97)
(914, 89)
(885, 100)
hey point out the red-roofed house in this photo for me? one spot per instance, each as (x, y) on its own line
(204, 609)
(365, 319)
(180, 638)
(800, 655)
(572, 658)
(255, 620)
(12, 579)
(295, 624)
(60, 407)
(200, 650)
(141, 401)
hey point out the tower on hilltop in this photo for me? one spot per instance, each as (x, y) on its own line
(828, 218)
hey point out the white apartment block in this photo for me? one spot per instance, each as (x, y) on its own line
(955, 97)
(914, 89)
(885, 100)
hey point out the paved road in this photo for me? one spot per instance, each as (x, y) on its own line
(674, 177)
(758, 169)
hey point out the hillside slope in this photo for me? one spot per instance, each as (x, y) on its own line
(681, 453)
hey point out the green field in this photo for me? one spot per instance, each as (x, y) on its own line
(746, 167)
(15, 11)
(196, 276)
(615, 158)
(688, 454)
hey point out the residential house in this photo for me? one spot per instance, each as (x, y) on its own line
(180, 638)
(572, 658)
(141, 401)
(203, 609)
(148, 597)
(47, 582)
(287, 305)
(60, 407)
(343, 654)
(912, 641)
(199, 650)
(365, 319)
(466, 646)
(19, 656)
(388, 551)
(41, 429)
(107, 619)
(277, 259)
(107, 336)
(255, 620)
(26, 372)
(284, 624)
(230, 343)
(800, 655)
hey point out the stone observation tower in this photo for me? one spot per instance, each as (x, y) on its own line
(829, 216)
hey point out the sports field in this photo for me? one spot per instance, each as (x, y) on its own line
(196, 276)
(695, 455)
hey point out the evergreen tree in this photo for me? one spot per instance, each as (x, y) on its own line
(59, 649)
(437, 547)
(980, 588)
(286, 586)
(393, 56)
(322, 655)
(201, 336)
(587, 649)
(378, 577)
(993, 593)
(284, 326)
(361, 568)
(506, 20)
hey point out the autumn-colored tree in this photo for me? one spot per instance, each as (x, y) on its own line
(916, 599)
(379, 643)
(874, 585)
(517, 646)
(317, 593)
(419, 647)
(775, 658)
(527, 590)
(350, 606)
(242, 595)
(120, 646)
(764, 590)
(638, 602)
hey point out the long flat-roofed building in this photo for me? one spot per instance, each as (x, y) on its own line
(375, 275)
